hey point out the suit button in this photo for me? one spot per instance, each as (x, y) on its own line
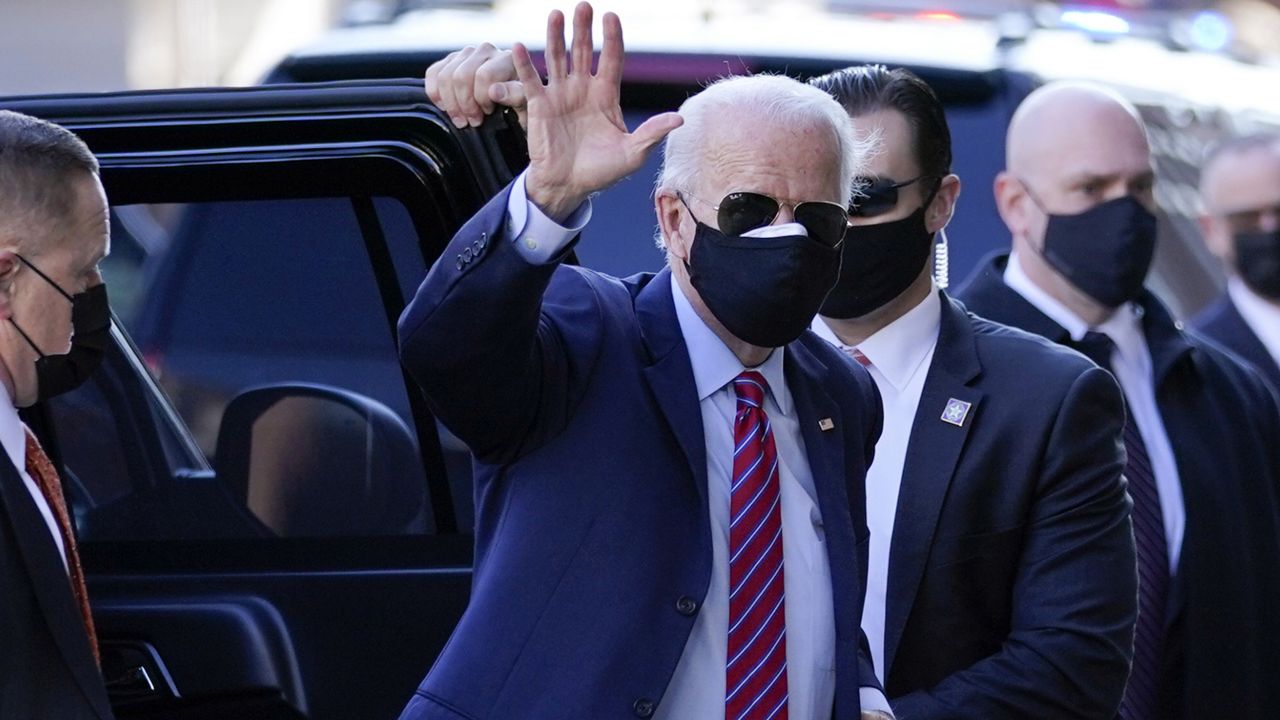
(476, 247)
(460, 263)
(643, 707)
(686, 606)
(466, 254)
(483, 241)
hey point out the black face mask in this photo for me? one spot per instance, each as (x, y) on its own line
(1105, 250)
(879, 263)
(1258, 260)
(764, 290)
(91, 330)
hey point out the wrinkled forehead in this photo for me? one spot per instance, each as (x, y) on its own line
(774, 158)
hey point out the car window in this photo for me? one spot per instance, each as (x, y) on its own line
(264, 324)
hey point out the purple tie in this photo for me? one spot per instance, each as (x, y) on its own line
(1153, 558)
(756, 670)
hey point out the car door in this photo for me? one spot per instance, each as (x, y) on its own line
(272, 522)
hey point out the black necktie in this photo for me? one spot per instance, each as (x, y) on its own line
(1153, 556)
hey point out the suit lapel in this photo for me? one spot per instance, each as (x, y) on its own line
(50, 584)
(670, 375)
(934, 449)
(806, 377)
(824, 449)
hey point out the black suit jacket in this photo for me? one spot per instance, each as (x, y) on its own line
(1222, 322)
(47, 668)
(1012, 575)
(1221, 658)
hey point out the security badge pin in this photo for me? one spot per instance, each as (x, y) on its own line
(956, 411)
(826, 424)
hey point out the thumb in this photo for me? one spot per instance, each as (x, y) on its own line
(510, 94)
(652, 131)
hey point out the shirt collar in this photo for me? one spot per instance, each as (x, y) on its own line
(714, 364)
(1018, 281)
(898, 349)
(13, 434)
(1262, 315)
(1124, 327)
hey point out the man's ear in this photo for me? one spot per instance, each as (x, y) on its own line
(943, 206)
(1010, 201)
(9, 264)
(670, 212)
(1218, 240)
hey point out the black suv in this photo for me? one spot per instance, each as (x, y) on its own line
(286, 532)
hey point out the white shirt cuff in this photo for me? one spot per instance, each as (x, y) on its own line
(538, 238)
(872, 699)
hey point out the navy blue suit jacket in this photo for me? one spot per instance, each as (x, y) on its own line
(1012, 573)
(1222, 322)
(1220, 658)
(593, 544)
(47, 668)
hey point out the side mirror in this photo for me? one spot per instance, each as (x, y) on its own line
(312, 460)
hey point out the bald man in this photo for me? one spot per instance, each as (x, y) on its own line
(1203, 432)
(1240, 191)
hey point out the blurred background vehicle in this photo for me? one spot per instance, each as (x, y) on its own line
(1182, 66)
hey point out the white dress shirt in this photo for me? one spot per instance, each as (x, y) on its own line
(697, 687)
(1261, 315)
(900, 354)
(1131, 364)
(13, 436)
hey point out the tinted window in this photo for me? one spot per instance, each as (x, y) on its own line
(264, 322)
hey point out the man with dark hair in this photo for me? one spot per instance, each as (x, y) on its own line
(1203, 430)
(1240, 191)
(54, 322)
(1002, 576)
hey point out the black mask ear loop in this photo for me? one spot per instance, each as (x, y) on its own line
(26, 337)
(44, 277)
(55, 285)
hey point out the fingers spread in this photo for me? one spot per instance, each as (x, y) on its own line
(650, 132)
(557, 63)
(526, 73)
(583, 46)
(611, 53)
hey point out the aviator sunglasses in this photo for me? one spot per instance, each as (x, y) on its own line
(876, 196)
(740, 212)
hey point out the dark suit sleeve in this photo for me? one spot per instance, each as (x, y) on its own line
(1074, 602)
(499, 345)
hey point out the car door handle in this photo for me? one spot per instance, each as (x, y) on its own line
(135, 682)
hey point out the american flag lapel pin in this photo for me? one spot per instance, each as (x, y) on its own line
(956, 411)
(826, 424)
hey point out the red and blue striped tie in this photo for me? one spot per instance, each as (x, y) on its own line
(756, 671)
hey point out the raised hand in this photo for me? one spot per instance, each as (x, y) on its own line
(578, 142)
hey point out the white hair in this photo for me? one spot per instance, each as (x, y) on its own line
(771, 100)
